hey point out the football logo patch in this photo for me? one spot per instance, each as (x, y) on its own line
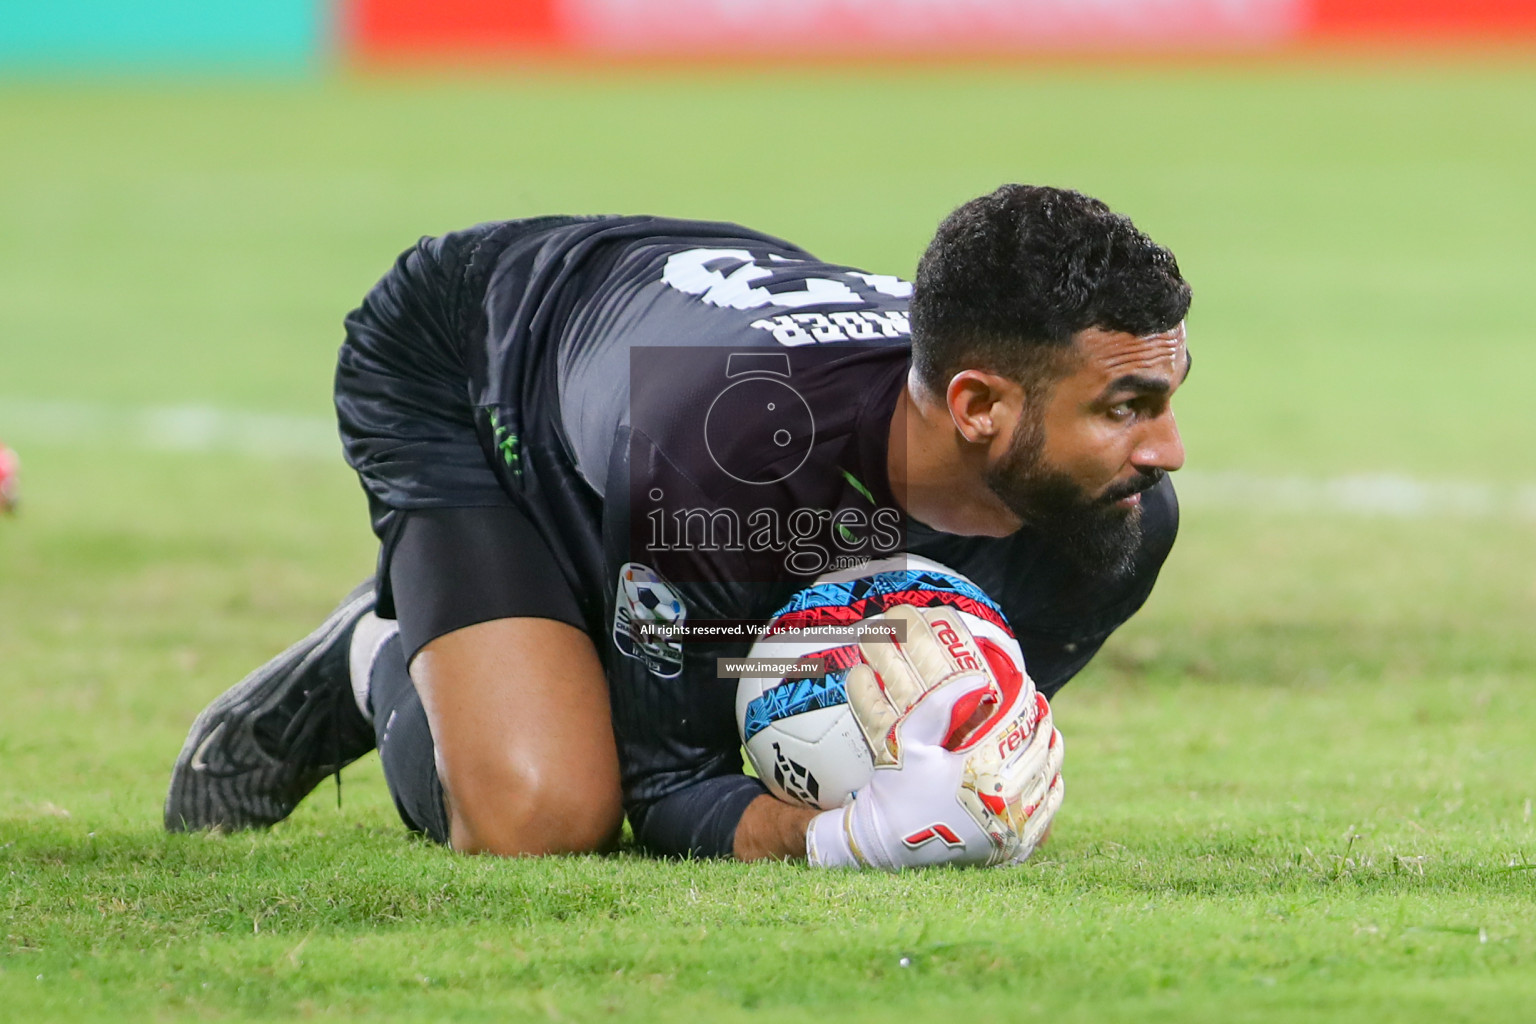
(644, 598)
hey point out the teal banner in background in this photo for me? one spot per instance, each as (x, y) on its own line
(83, 35)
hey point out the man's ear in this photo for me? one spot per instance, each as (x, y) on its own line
(982, 405)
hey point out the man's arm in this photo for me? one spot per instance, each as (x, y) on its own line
(772, 829)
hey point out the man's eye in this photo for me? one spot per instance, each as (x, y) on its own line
(1121, 411)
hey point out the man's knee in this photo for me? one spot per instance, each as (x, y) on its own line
(523, 809)
(524, 743)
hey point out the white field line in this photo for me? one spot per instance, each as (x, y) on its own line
(171, 428)
(1376, 495)
(205, 429)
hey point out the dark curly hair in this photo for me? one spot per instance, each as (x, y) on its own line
(1011, 276)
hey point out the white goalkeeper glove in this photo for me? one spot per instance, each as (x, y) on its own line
(967, 765)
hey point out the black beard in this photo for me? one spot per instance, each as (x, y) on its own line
(1098, 536)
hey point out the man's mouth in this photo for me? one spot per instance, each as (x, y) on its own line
(1128, 495)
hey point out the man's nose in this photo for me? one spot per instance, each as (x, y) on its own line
(1161, 447)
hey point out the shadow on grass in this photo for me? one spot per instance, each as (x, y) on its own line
(376, 877)
(302, 878)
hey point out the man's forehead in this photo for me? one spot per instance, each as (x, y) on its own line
(1113, 353)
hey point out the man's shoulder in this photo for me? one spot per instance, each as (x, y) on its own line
(576, 230)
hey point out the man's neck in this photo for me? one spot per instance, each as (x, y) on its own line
(938, 477)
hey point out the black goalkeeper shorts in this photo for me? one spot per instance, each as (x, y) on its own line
(454, 548)
(455, 567)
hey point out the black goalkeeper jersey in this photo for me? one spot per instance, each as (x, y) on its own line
(696, 417)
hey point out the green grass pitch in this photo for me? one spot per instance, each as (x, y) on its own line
(1300, 783)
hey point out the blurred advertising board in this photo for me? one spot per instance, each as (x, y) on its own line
(153, 34)
(384, 28)
(300, 34)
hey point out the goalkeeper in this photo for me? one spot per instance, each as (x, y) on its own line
(570, 428)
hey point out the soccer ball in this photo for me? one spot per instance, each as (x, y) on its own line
(799, 734)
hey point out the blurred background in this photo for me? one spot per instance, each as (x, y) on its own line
(192, 196)
(1308, 758)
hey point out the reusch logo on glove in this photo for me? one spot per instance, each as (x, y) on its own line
(957, 647)
(1015, 738)
(938, 830)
